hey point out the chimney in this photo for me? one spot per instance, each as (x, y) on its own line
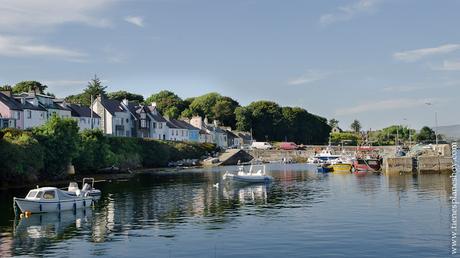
(23, 100)
(206, 120)
(154, 104)
(125, 102)
(216, 123)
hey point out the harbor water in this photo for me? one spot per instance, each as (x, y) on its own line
(194, 213)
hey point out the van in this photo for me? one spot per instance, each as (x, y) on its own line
(261, 145)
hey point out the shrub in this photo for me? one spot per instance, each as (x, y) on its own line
(59, 138)
(93, 152)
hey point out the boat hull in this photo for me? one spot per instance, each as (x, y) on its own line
(249, 179)
(367, 165)
(323, 169)
(52, 206)
(342, 167)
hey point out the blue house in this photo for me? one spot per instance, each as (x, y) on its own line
(193, 132)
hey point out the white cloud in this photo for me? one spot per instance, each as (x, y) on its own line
(348, 12)
(32, 14)
(135, 20)
(417, 54)
(308, 77)
(25, 47)
(382, 105)
(448, 66)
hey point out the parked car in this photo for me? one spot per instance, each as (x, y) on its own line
(261, 145)
(288, 146)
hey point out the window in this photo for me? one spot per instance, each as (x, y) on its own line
(29, 114)
(31, 194)
(161, 125)
(143, 123)
(127, 120)
(49, 195)
(154, 125)
(16, 115)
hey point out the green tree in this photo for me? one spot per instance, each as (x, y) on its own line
(333, 123)
(215, 107)
(93, 152)
(167, 102)
(59, 138)
(356, 126)
(426, 134)
(6, 87)
(266, 118)
(346, 138)
(94, 88)
(121, 95)
(27, 86)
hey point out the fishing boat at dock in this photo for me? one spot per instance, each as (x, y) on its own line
(367, 160)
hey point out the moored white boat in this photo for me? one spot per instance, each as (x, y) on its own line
(87, 188)
(251, 176)
(51, 199)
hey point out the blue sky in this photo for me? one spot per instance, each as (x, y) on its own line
(378, 61)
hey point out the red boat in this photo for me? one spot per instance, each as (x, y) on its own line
(367, 160)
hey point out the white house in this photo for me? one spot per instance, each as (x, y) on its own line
(219, 136)
(177, 132)
(82, 115)
(115, 119)
(160, 129)
(46, 102)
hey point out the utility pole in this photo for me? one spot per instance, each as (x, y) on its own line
(91, 111)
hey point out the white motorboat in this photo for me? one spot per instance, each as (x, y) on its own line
(86, 190)
(52, 199)
(250, 176)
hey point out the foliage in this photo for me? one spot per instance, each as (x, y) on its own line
(269, 121)
(347, 138)
(127, 151)
(27, 86)
(167, 103)
(21, 155)
(215, 107)
(94, 88)
(6, 87)
(121, 95)
(390, 135)
(333, 123)
(355, 126)
(426, 134)
(59, 139)
(93, 152)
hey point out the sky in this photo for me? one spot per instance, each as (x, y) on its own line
(378, 61)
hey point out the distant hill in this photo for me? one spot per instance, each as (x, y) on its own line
(450, 131)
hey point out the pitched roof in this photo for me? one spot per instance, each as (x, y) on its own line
(10, 102)
(231, 134)
(183, 125)
(112, 105)
(81, 111)
(214, 129)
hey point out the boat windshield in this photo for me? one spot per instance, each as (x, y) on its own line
(49, 195)
(32, 194)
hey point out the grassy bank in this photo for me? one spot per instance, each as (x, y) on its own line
(43, 154)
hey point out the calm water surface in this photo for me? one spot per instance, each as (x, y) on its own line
(301, 214)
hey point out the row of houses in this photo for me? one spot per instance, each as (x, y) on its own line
(114, 118)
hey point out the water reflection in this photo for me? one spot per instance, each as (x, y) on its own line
(164, 206)
(38, 232)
